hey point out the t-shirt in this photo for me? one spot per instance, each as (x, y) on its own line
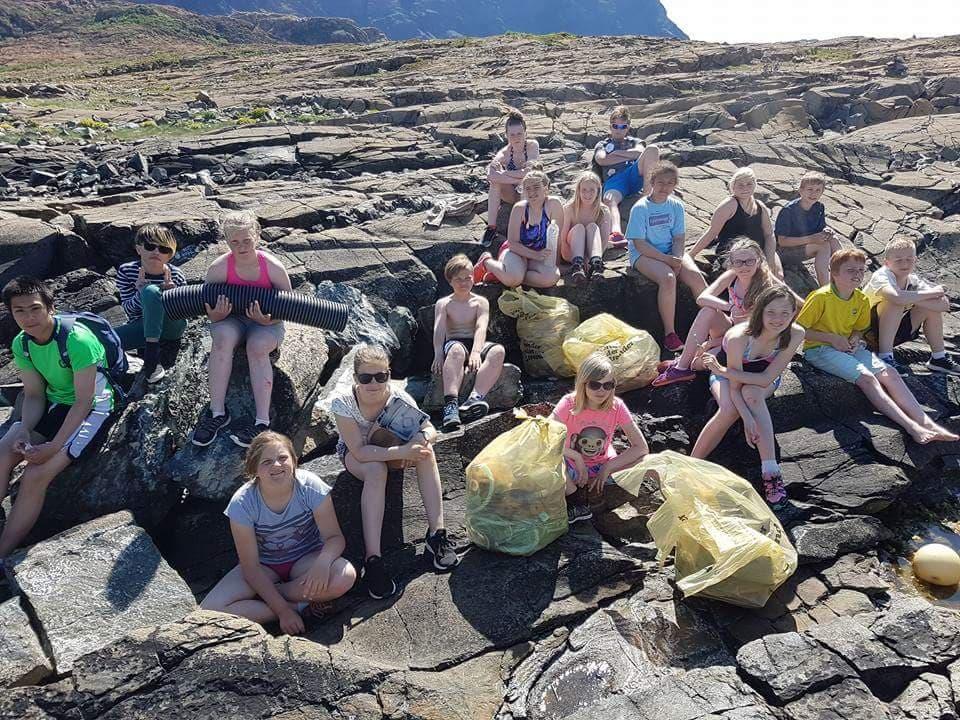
(83, 349)
(825, 311)
(127, 276)
(289, 534)
(884, 278)
(610, 145)
(344, 404)
(794, 221)
(657, 223)
(590, 432)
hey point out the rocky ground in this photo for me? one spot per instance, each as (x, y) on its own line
(343, 151)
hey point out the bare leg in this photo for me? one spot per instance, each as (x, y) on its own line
(932, 323)
(9, 459)
(888, 320)
(897, 389)
(453, 369)
(756, 399)
(821, 261)
(543, 274)
(576, 242)
(717, 426)
(595, 242)
(612, 200)
(342, 577)
(648, 159)
(877, 395)
(33, 490)
(691, 276)
(493, 204)
(234, 595)
(428, 478)
(510, 270)
(372, 500)
(226, 335)
(666, 280)
(490, 370)
(708, 323)
(260, 343)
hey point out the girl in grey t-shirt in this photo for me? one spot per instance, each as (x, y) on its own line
(288, 541)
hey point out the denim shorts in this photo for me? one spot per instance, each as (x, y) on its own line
(849, 366)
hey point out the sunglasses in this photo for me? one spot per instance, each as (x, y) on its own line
(744, 263)
(597, 385)
(367, 378)
(615, 126)
(150, 247)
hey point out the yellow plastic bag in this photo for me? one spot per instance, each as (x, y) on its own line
(728, 544)
(542, 324)
(515, 501)
(634, 353)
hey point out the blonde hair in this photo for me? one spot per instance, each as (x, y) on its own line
(761, 279)
(599, 209)
(813, 177)
(535, 175)
(620, 111)
(740, 174)
(900, 243)
(456, 264)
(664, 167)
(251, 460)
(370, 354)
(595, 366)
(236, 221)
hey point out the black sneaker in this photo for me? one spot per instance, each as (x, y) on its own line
(244, 434)
(489, 236)
(379, 584)
(946, 364)
(596, 267)
(577, 276)
(474, 409)
(451, 417)
(577, 512)
(208, 426)
(439, 545)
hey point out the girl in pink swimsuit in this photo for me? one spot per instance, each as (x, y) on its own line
(244, 265)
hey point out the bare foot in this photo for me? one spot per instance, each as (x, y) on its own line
(923, 435)
(942, 434)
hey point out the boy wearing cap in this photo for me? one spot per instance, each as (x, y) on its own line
(140, 284)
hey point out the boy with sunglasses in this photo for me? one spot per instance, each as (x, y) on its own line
(140, 284)
(624, 166)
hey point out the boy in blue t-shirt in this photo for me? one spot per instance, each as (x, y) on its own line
(623, 165)
(656, 233)
(802, 231)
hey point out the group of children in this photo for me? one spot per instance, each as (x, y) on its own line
(288, 540)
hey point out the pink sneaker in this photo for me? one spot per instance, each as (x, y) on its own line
(673, 374)
(774, 492)
(673, 343)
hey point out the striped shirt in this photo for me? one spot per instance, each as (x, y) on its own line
(127, 276)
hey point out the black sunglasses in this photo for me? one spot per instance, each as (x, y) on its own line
(597, 385)
(367, 378)
(150, 247)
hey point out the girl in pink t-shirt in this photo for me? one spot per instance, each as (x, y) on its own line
(592, 414)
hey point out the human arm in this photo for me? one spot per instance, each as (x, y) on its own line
(217, 275)
(710, 297)
(317, 578)
(721, 215)
(769, 238)
(677, 246)
(439, 334)
(513, 236)
(245, 540)
(34, 398)
(561, 414)
(352, 437)
(127, 287)
(773, 371)
(497, 172)
(648, 250)
(479, 333)
(885, 284)
(84, 386)
(280, 280)
(628, 458)
(736, 344)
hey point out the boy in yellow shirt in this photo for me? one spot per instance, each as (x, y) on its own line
(835, 318)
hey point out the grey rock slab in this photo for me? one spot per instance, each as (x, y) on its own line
(856, 572)
(929, 697)
(505, 394)
(847, 700)
(817, 542)
(22, 660)
(788, 665)
(919, 631)
(862, 649)
(93, 583)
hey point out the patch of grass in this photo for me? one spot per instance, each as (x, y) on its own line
(826, 54)
(552, 39)
(260, 113)
(187, 128)
(312, 118)
(93, 124)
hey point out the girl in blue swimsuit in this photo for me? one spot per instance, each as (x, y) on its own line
(745, 374)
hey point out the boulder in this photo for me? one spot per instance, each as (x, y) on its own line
(820, 541)
(849, 699)
(321, 435)
(505, 394)
(22, 660)
(92, 584)
(34, 247)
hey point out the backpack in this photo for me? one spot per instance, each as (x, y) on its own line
(117, 364)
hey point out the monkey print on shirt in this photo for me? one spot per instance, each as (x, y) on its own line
(590, 432)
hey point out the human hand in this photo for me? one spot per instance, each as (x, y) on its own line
(712, 364)
(167, 278)
(473, 362)
(596, 485)
(418, 450)
(290, 622)
(542, 255)
(141, 282)
(838, 342)
(437, 367)
(751, 431)
(316, 579)
(21, 441)
(219, 311)
(39, 454)
(674, 262)
(583, 475)
(257, 315)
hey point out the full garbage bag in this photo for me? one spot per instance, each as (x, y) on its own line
(634, 353)
(542, 324)
(515, 498)
(727, 543)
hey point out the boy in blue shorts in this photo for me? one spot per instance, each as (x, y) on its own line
(623, 165)
(656, 233)
(835, 318)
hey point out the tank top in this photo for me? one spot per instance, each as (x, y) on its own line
(739, 225)
(534, 236)
(262, 281)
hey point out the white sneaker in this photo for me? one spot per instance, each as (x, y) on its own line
(157, 375)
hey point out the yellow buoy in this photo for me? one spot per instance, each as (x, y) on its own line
(937, 564)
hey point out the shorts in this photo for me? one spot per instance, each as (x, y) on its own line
(905, 331)
(626, 182)
(83, 438)
(467, 344)
(849, 366)
(792, 256)
(282, 569)
(592, 470)
(247, 327)
(717, 378)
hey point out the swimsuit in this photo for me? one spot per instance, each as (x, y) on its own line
(534, 236)
(756, 365)
(511, 165)
(741, 225)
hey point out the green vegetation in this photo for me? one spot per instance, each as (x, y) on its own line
(827, 54)
(260, 113)
(186, 128)
(552, 39)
